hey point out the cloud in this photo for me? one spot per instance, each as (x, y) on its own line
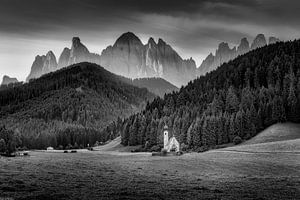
(192, 27)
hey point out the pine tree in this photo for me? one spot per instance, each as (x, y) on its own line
(197, 133)
(189, 138)
(232, 102)
(292, 99)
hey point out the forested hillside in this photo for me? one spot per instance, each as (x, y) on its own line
(157, 86)
(240, 98)
(70, 106)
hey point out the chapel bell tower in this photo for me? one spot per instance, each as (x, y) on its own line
(166, 136)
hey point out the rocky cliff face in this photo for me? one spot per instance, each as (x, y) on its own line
(128, 57)
(273, 40)
(244, 47)
(64, 58)
(42, 65)
(259, 41)
(131, 58)
(8, 80)
(224, 53)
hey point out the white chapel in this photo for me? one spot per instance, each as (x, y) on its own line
(170, 142)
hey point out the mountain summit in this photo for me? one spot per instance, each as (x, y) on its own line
(224, 53)
(131, 58)
(42, 65)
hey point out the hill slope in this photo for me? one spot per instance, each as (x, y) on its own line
(278, 138)
(239, 99)
(71, 105)
(157, 86)
(277, 132)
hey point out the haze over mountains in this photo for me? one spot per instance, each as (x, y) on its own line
(224, 53)
(128, 57)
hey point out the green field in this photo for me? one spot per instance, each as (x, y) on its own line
(250, 171)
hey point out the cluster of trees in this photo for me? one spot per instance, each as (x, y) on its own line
(8, 141)
(70, 106)
(237, 100)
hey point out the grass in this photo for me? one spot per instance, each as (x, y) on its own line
(277, 132)
(216, 174)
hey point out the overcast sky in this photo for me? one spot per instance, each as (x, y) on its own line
(192, 27)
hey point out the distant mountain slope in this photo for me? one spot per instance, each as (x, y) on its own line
(157, 86)
(237, 100)
(224, 53)
(128, 57)
(81, 99)
(8, 80)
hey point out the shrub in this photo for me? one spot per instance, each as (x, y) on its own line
(155, 148)
(183, 147)
(141, 149)
(60, 147)
(69, 146)
(96, 144)
(75, 146)
(202, 149)
(65, 151)
(237, 140)
(2, 146)
(73, 151)
(164, 151)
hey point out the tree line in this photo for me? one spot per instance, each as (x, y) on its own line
(69, 107)
(238, 100)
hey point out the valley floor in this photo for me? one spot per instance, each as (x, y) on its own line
(250, 171)
(211, 175)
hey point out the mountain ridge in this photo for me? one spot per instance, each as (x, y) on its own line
(128, 57)
(224, 53)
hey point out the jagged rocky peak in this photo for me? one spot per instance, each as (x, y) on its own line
(223, 46)
(243, 47)
(129, 39)
(131, 58)
(50, 63)
(273, 40)
(79, 52)
(42, 65)
(161, 42)
(64, 58)
(8, 80)
(259, 41)
(36, 67)
(151, 42)
(78, 46)
(191, 63)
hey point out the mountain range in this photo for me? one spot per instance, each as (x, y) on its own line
(224, 53)
(128, 57)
